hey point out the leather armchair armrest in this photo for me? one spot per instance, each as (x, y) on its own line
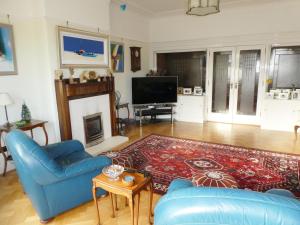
(66, 147)
(86, 165)
(179, 184)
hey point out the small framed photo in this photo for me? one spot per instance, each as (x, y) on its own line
(198, 90)
(295, 95)
(275, 93)
(187, 91)
(180, 90)
(284, 96)
(288, 91)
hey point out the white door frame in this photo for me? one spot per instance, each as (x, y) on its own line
(232, 116)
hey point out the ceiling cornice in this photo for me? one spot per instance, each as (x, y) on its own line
(135, 7)
(228, 4)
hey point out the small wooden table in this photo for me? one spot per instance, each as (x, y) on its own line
(29, 126)
(118, 188)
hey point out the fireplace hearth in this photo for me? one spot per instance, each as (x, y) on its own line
(93, 129)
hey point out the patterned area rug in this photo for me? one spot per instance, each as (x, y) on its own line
(167, 158)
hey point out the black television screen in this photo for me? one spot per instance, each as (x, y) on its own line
(151, 90)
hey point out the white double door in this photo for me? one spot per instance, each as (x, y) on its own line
(235, 84)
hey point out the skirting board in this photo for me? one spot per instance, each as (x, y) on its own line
(107, 145)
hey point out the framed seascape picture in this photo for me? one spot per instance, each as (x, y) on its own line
(8, 63)
(79, 48)
(117, 57)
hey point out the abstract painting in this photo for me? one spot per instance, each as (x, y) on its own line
(8, 64)
(79, 48)
(117, 57)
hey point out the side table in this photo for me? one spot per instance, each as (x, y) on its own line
(28, 127)
(118, 188)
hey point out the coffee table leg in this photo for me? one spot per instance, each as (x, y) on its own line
(138, 208)
(296, 131)
(112, 205)
(116, 202)
(131, 205)
(96, 203)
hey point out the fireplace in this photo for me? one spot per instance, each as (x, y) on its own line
(93, 129)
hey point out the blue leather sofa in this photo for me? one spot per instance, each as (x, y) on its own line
(186, 205)
(56, 177)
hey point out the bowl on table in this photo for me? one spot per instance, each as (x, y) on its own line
(113, 172)
(128, 180)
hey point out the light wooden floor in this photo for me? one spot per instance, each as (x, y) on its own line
(15, 208)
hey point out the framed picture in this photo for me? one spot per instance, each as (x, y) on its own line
(198, 90)
(180, 90)
(296, 95)
(187, 91)
(283, 96)
(117, 57)
(79, 48)
(8, 62)
(275, 93)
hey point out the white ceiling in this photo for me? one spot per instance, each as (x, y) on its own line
(163, 6)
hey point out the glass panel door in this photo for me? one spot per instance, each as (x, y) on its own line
(247, 86)
(236, 89)
(249, 70)
(220, 80)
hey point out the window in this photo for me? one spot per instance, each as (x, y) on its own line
(190, 67)
(284, 68)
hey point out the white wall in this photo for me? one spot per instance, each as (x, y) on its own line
(80, 108)
(132, 29)
(34, 24)
(263, 25)
(251, 19)
(28, 85)
(130, 24)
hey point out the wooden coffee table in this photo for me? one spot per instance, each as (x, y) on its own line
(118, 188)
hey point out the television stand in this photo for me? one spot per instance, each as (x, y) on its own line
(154, 110)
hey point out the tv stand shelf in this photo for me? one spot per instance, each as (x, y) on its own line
(141, 111)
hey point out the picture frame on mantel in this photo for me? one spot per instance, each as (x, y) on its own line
(82, 49)
(8, 61)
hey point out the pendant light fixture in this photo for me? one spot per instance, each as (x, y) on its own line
(203, 7)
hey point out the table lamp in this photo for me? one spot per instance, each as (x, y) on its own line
(6, 100)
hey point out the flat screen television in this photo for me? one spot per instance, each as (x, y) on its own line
(154, 90)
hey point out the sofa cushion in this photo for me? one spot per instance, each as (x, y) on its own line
(65, 160)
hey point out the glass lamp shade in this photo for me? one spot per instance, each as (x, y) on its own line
(5, 99)
(203, 7)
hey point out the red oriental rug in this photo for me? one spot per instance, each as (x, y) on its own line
(168, 158)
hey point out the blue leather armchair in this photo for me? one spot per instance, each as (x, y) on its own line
(185, 204)
(56, 177)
